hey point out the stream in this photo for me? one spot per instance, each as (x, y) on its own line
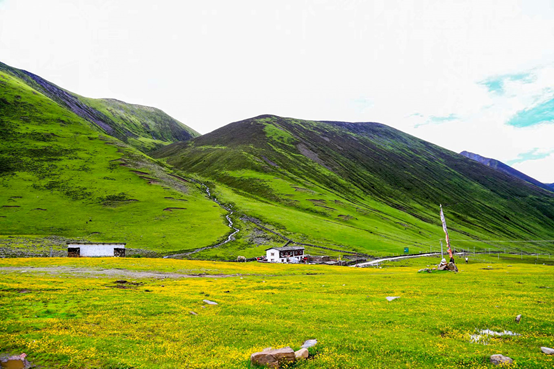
(230, 224)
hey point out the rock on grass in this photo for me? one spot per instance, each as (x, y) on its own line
(273, 358)
(499, 359)
(547, 350)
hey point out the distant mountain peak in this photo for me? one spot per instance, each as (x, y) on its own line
(498, 165)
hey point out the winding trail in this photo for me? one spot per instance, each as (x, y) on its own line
(230, 224)
(235, 230)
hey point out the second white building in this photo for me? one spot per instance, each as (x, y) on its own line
(289, 254)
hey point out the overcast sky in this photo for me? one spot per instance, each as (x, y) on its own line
(466, 75)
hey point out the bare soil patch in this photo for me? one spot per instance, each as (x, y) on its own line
(56, 270)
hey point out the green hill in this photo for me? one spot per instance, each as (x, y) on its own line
(61, 178)
(142, 127)
(78, 168)
(362, 187)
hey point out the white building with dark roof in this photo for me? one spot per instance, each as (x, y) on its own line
(288, 254)
(96, 249)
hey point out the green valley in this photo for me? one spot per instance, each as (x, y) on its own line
(75, 168)
(361, 187)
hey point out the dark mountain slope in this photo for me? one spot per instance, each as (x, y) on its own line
(143, 127)
(498, 165)
(361, 162)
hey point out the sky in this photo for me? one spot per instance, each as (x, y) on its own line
(465, 75)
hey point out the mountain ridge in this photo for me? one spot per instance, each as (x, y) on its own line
(145, 128)
(343, 187)
(498, 165)
(369, 165)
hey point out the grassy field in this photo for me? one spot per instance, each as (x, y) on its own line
(68, 313)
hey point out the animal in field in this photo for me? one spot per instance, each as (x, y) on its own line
(241, 259)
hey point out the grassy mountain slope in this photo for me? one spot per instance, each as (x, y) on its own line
(142, 127)
(61, 178)
(498, 165)
(362, 186)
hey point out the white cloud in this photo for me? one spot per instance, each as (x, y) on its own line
(540, 169)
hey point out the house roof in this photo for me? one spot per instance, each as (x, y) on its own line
(288, 248)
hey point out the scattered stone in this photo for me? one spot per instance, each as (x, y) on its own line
(452, 267)
(392, 298)
(547, 350)
(210, 302)
(273, 357)
(309, 343)
(192, 313)
(424, 270)
(518, 318)
(302, 354)
(501, 359)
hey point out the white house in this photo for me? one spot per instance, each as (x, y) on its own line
(95, 249)
(289, 254)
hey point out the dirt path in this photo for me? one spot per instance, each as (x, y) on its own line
(108, 272)
(394, 258)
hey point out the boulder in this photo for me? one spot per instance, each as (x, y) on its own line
(210, 302)
(547, 350)
(302, 354)
(309, 343)
(518, 318)
(499, 359)
(451, 266)
(273, 358)
(392, 298)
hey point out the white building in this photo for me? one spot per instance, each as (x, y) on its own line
(290, 254)
(95, 249)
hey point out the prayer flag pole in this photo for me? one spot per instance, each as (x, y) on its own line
(445, 233)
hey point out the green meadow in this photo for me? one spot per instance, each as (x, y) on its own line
(71, 313)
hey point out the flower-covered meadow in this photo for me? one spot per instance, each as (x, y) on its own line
(65, 319)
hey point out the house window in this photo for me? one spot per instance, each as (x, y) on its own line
(272, 254)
